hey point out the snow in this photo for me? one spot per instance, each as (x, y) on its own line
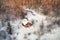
(19, 31)
(54, 35)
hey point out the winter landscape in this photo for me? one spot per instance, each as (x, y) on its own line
(29, 19)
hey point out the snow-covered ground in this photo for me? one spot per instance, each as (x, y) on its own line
(39, 30)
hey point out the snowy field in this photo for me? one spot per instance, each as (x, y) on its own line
(41, 28)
